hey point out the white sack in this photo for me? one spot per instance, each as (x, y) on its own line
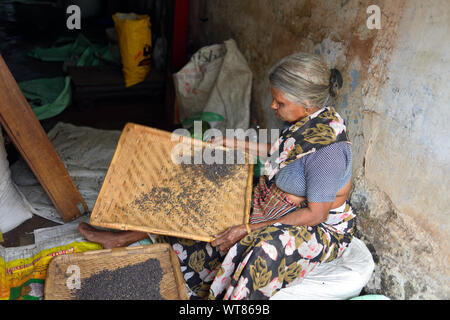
(85, 152)
(216, 79)
(14, 209)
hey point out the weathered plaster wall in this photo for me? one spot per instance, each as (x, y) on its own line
(407, 156)
(395, 101)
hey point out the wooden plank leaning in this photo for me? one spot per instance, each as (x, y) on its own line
(30, 139)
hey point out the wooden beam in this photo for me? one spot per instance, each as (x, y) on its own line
(30, 139)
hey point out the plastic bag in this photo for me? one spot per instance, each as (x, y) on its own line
(80, 51)
(23, 270)
(135, 41)
(205, 119)
(47, 97)
(217, 79)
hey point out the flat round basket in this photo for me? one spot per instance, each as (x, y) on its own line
(63, 270)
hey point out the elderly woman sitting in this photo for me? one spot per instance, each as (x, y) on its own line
(300, 214)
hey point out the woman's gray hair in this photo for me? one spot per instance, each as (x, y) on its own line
(303, 76)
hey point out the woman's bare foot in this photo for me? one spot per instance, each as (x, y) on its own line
(110, 239)
(107, 239)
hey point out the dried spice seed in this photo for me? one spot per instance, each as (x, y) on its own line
(140, 281)
(190, 192)
(215, 172)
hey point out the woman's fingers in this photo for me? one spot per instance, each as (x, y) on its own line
(222, 233)
(224, 239)
(219, 239)
(223, 246)
(216, 141)
(216, 242)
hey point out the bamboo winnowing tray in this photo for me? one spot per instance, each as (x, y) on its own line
(144, 190)
(91, 262)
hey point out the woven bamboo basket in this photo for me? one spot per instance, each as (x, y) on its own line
(146, 189)
(172, 285)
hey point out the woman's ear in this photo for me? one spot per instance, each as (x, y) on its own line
(308, 104)
(308, 107)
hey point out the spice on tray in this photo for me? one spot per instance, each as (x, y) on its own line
(217, 171)
(140, 281)
(168, 201)
(187, 192)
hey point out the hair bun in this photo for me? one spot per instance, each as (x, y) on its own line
(335, 81)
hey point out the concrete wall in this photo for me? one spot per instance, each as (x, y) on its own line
(395, 102)
(407, 156)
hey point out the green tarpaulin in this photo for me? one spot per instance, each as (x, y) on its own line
(48, 97)
(84, 51)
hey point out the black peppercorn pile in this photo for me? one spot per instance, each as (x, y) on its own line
(135, 282)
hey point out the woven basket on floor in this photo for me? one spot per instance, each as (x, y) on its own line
(172, 285)
(145, 190)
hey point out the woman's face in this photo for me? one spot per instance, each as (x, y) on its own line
(285, 109)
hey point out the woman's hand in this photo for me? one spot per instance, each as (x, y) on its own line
(253, 148)
(223, 142)
(225, 240)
